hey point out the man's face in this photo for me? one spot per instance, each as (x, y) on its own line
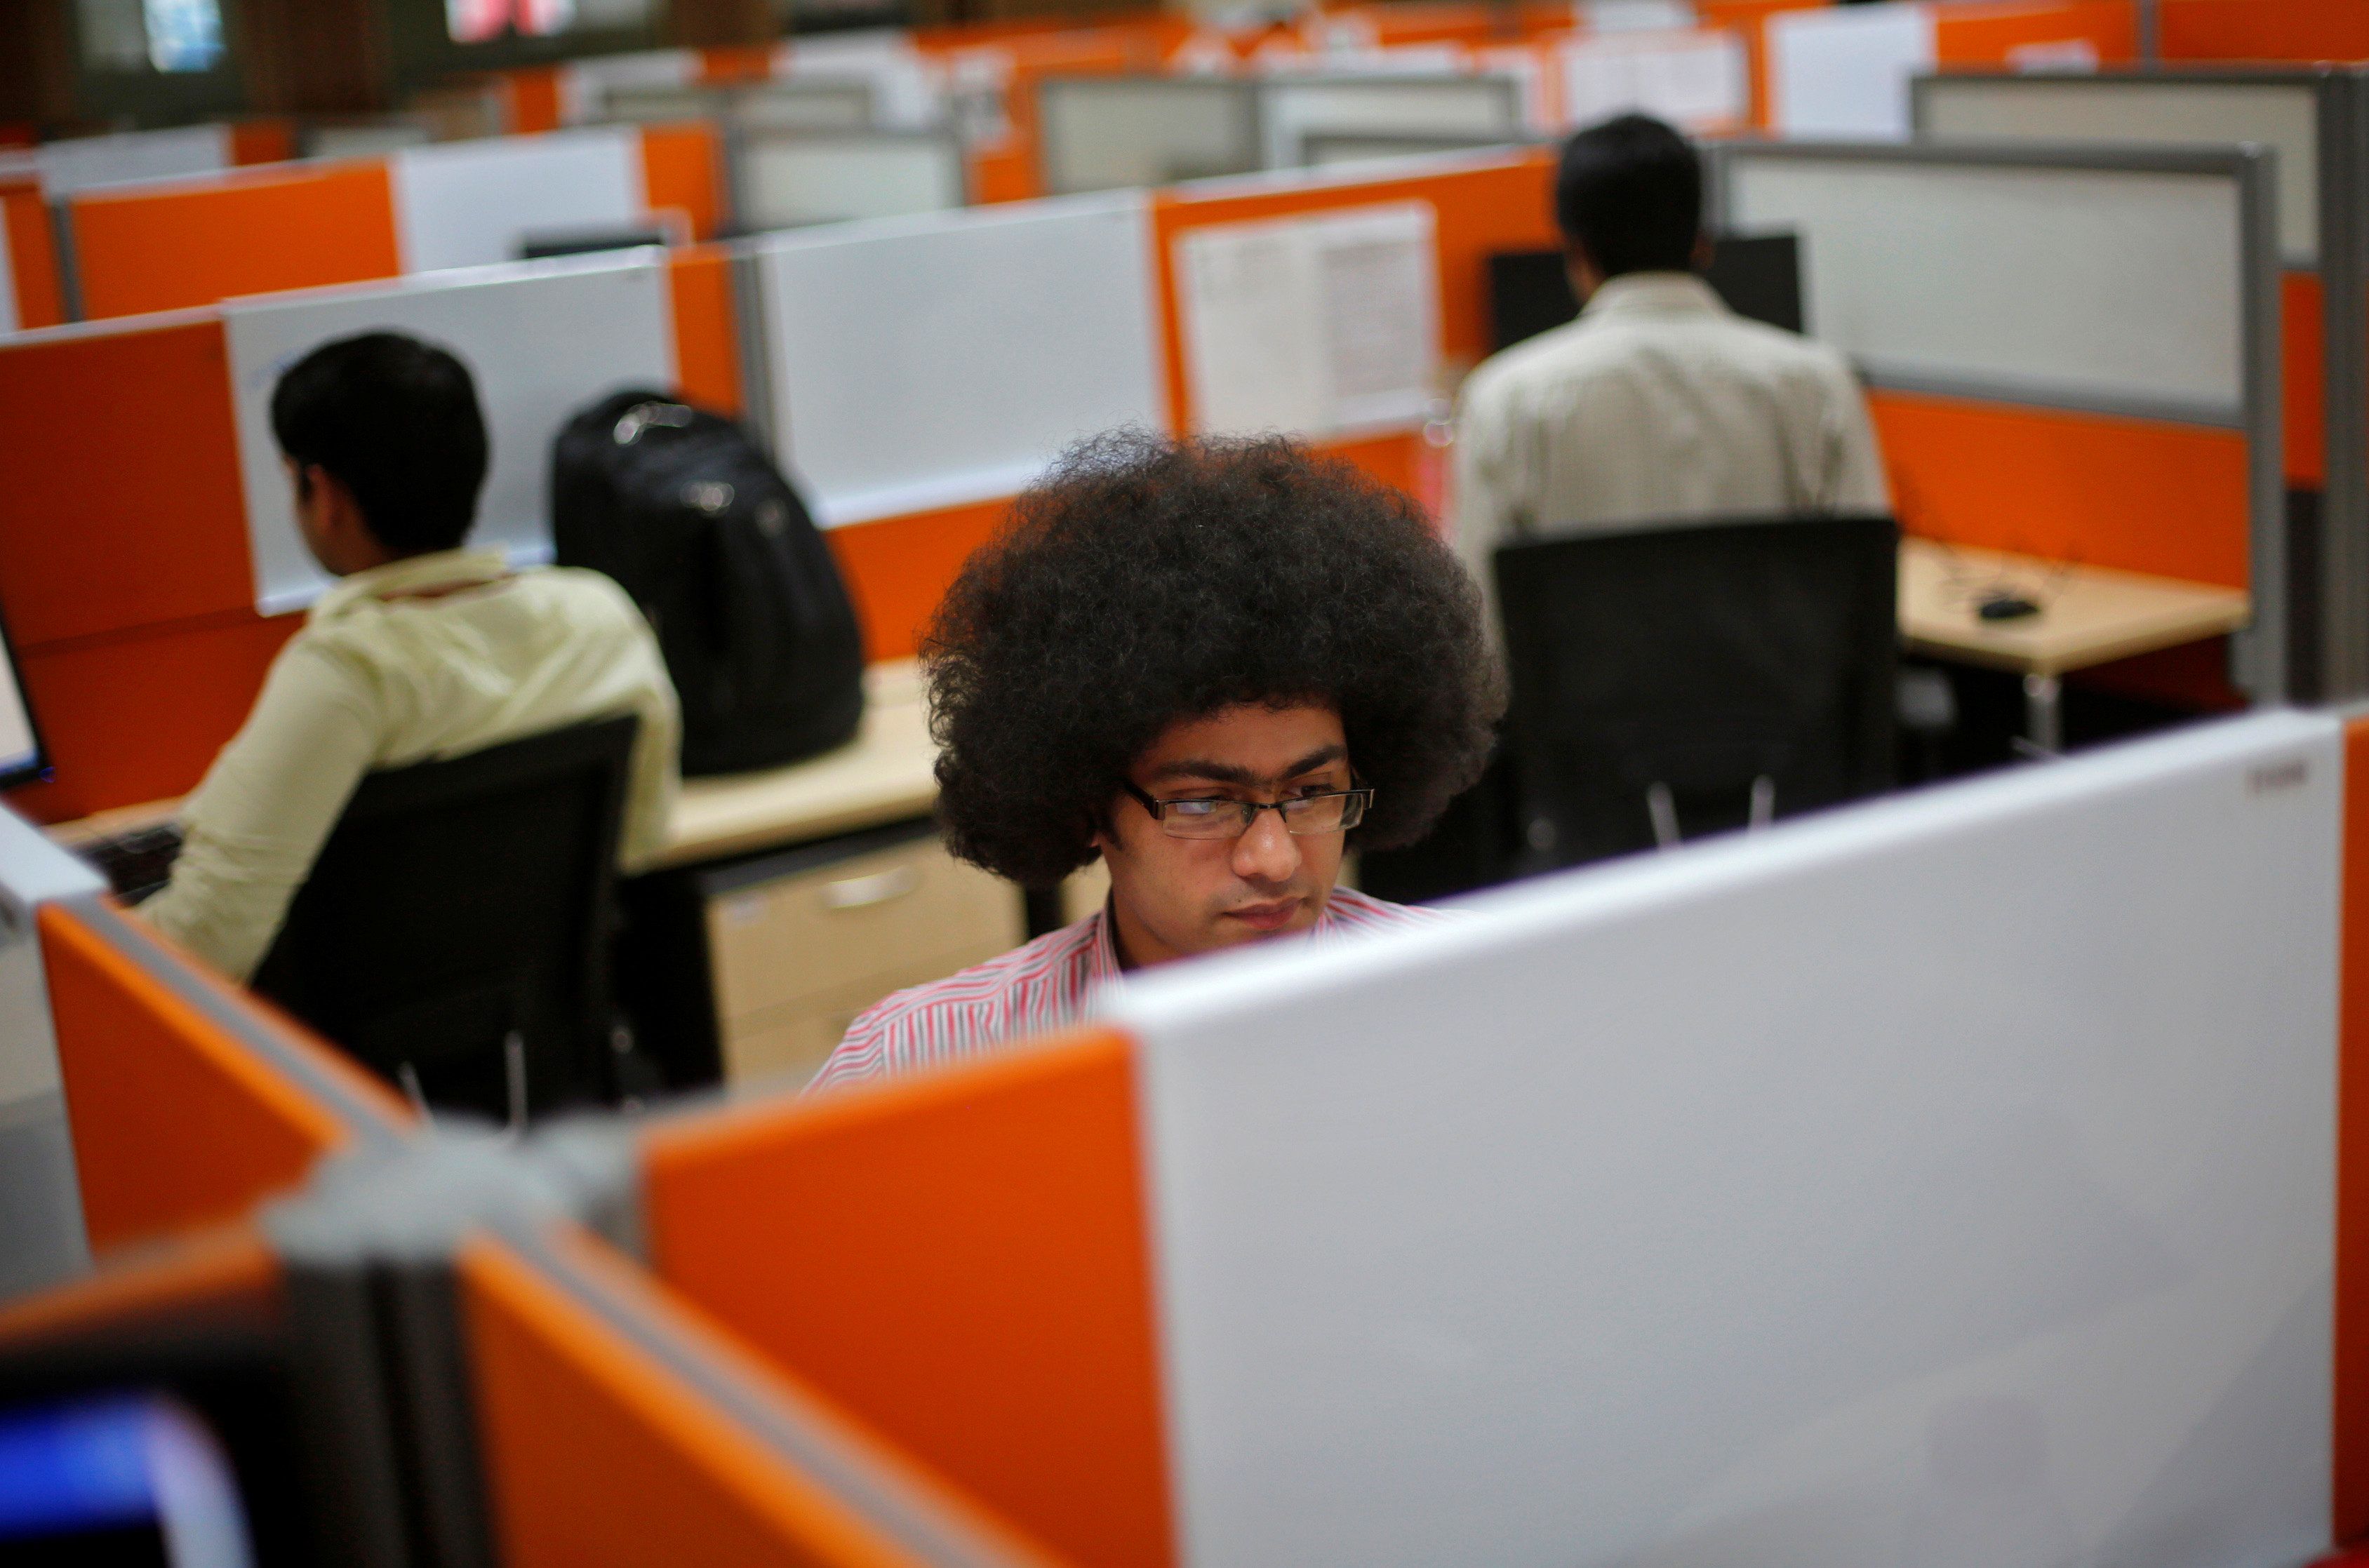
(1175, 896)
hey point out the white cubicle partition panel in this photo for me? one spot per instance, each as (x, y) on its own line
(1948, 1180)
(541, 339)
(9, 317)
(804, 106)
(470, 203)
(921, 362)
(1846, 72)
(2140, 107)
(41, 1236)
(1696, 78)
(905, 84)
(1293, 107)
(2122, 289)
(644, 105)
(786, 180)
(1130, 133)
(81, 162)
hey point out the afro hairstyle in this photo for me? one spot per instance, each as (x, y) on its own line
(1144, 582)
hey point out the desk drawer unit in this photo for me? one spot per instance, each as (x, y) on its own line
(800, 943)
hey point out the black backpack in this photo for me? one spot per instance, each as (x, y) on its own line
(681, 509)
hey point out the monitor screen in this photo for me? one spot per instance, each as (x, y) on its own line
(21, 755)
(1759, 276)
(118, 1479)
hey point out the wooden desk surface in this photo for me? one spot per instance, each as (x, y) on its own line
(883, 776)
(2089, 615)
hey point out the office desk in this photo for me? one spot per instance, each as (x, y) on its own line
(883, 776)
(2089, 615)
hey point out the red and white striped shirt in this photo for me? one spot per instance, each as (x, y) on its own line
(1032, 989)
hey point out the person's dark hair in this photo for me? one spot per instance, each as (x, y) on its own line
(396, 421)
(1146, 581)
(1630, 192)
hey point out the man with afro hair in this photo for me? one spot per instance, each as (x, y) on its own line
(1213, 664)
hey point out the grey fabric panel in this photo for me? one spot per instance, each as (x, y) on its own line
(41, 1240)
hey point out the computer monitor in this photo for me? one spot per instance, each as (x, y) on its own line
(788, 178)
(1759, 276)
(22, 756)
(1114, 132)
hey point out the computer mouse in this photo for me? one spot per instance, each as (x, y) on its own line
(2005, 607)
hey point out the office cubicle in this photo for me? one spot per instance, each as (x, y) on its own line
(2314, 119)
(1870, 1189)
(1291, 107)
(2073, 352)
(786, 177)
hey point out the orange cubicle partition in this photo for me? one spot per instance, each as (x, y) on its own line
(189, 1104)
(990, 1302)
(2262, 29)
(194, 241)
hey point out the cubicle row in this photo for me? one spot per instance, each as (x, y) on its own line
(914, 374)
(1972, 1174)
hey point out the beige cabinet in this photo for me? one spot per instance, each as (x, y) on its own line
(800, 943)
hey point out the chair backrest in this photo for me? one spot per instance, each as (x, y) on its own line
(459, 903)
(1673, 668)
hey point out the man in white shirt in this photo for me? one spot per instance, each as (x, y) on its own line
(425, 650)
(1658, 404)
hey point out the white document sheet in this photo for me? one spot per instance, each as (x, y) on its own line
(543, 341)
(1699, 81)
(1312, 325)
(470, 203)
(1846, 73)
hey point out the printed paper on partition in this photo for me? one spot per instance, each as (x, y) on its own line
(1312, 325)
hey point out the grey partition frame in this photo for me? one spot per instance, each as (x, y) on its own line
(1322, 148)
(1247, 108)
(2260, 653)
(2341, 99)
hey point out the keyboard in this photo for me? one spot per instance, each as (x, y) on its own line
(136, 863)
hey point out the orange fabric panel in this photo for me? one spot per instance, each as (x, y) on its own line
(982, 1232)
(706, 347)
(122, 504)
(595, 1453)
(262, 141)
(2263, 30)
(1983, 35)
(899, 568)
(117, 733)
(1498, 207)
(1006, 173)
(177, 1124)
(2351, 1498)
(683, 170)
(2138, 495)
(2300, 345)
(212, 1274)
(533, 100)
(248, 233)
(735, 63)
(32, 256)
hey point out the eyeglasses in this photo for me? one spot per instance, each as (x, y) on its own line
(1303, 815)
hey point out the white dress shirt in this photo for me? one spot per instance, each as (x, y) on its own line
(427, 658)
(1659, 403)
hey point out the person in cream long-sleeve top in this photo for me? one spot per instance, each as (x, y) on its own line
(423, 650)
(1658, 404)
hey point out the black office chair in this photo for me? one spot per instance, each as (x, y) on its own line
(1679, 680)
(453, 935)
